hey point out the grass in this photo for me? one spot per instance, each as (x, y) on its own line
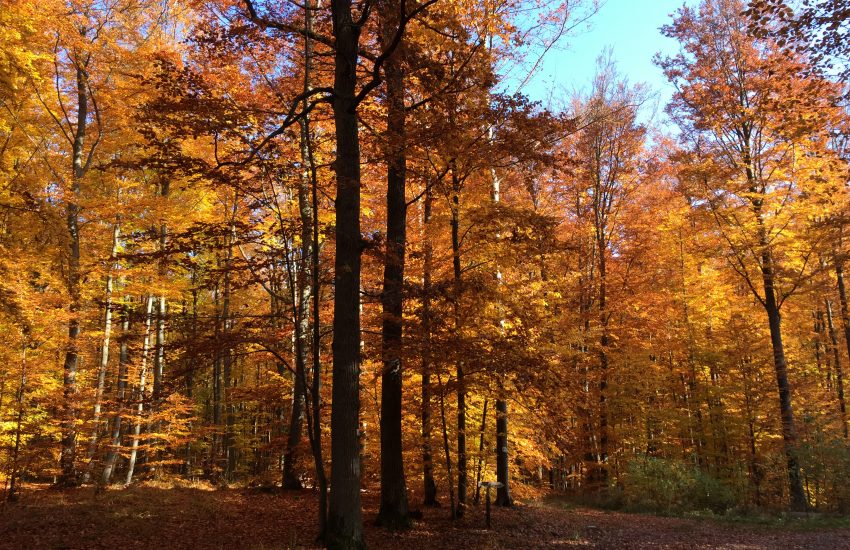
(758, 518)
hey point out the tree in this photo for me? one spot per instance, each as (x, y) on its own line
(608, 160)
(394, 508)
(819, 28)
(751, 118)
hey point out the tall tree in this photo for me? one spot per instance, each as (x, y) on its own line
(741, 103)
(393, 512)
(345, 521)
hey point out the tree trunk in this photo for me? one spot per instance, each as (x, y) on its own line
(115, 438)
(229, 442)
(291, 479)
(503, 493)
(215, 444)
(11, 493)
(316, 386)
(159, 347)
(104, 357)
(345, 521)
(315, 419)
(190, 360)
(839, 375)
(691, 399)
(461, 383)
(137, 426)
(393, 513)
(159, 350)
(67, 457)
(480, 461)
(754, 466)
(600, 475)
(789, 431)
(845, 317)
(429, 485)
(446, 449)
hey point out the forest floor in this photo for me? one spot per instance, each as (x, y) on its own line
(150, 516)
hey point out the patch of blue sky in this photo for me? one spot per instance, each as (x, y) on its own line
(630, 29)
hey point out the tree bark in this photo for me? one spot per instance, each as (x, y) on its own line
(304, 277)
(140, 395)
(480, 460)
(115, 437)
(789, 431)
(316, 385)
(839, 375)
(503, 493)
(159, 346)
(67, 457)
(461, 382)
(229, 442)
(446, 449)
(845, 315)
(429, 485)
(12, 492)
(345, 521)
(602, 204)
(314, 420)
(104, 357)
(393, 513)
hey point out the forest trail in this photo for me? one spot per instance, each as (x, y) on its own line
(195, 518)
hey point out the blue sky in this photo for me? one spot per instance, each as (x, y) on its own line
(631, 29)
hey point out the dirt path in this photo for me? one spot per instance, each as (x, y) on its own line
(149, 517)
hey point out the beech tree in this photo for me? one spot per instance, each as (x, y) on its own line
(734, 101)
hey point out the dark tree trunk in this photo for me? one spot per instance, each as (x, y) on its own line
(845, 319)
(190, 363)
(691, 395)
(315, 419)
(789, 431)
(159, 350)
(20, 401)
(316, 386)
(503, 493)
(304, 277)
(291, 478)
(393, 513)
(600, 475)
(839, 374)
(480, 460)
(67, 457)
(159, 345)
(446, 449)
(345, 521)
(429, 485)
(461, 383)
(215, 443)
(229, 442)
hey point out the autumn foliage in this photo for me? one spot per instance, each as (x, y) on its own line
(322, 245)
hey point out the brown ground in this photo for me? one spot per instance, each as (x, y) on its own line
(194, 518)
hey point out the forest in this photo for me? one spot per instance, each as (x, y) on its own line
(323, 260)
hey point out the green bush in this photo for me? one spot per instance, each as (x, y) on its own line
(826, 468)
(669, 487)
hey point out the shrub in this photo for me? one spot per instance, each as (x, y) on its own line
(669, 486)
